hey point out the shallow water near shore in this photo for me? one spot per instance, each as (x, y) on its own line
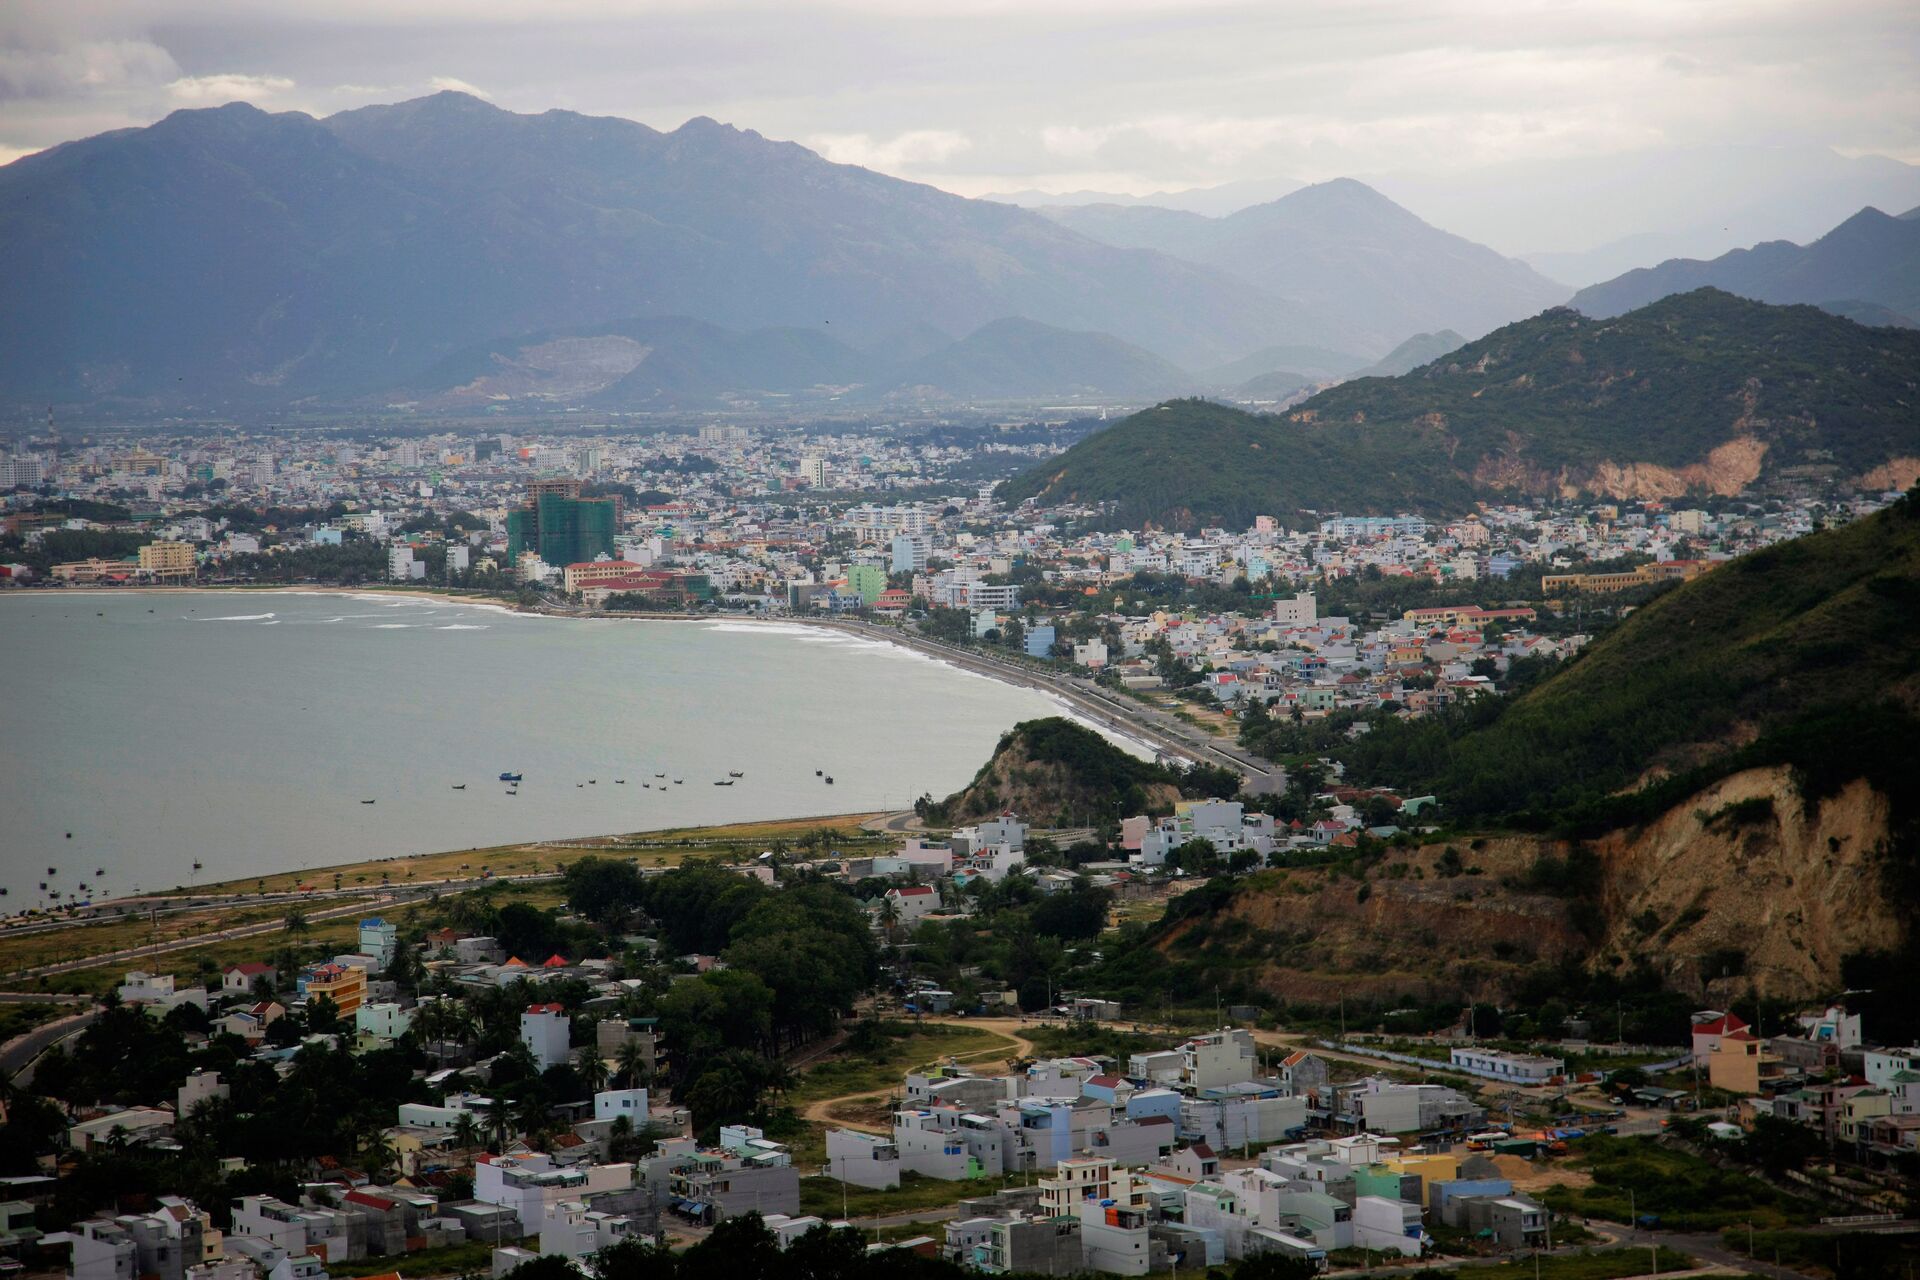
(245, 732)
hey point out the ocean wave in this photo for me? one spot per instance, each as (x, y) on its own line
(236, 617)
(271, 622)
(764, 628)
(396, 626)
(463, 626)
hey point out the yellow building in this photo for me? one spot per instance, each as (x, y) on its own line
(1663, 571)
(1430, 1168)
(345, 985)
(168, 560)
(1739, 1062)
(576, 576)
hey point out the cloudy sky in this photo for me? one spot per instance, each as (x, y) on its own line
(992, 95)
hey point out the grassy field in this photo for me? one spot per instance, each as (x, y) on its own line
(1612, 1265)
(822, 1196)
(657, 847)
(1686, 1192)
(32, 950)
(324, 937)
(929, 1043)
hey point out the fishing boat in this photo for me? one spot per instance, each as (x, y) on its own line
(366, 802)
(723, 782)
(829, 779)
(512, 792)
(459, 786)
(659, 775)
(678, 781)
(593, 782)
(509, 777)
(735, 773)
(619, 782)
(817, 773)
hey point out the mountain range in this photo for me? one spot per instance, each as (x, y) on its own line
(1867, 268)
(1367, 270)
(229, 256)
(1701, 391)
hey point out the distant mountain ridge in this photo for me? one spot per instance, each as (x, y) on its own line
(230, 256)
(1369, 271)
(1701, 392)
(1869, 261)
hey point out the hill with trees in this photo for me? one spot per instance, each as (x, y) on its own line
(1059, 773)
(1700, 392)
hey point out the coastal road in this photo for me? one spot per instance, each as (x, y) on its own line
(1156, 727)
(19, 1054)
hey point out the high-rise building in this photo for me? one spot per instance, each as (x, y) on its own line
(559, 525)
(168, 560)
(866, 581)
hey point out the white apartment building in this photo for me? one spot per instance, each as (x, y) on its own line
(546, 1031)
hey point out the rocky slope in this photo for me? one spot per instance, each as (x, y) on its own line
(1715, 900)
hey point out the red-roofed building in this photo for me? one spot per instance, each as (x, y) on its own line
(912, 902)
(1709, 1026)
(554, 962)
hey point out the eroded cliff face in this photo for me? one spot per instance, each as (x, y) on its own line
(1747, 886)
(1726, 470)
(1741, 887)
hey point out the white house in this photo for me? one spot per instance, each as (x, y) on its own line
(913, 902)
(611, 1104)
(546, 1032)
(384, 1018)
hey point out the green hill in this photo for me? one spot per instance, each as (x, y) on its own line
(1801, 654)
(1697, 392)
(1056, 772)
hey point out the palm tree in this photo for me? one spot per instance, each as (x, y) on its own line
(466, 1134)
(530, 1110)
(592, 1069)
(498, 1113)
(296, 924)
(778, 1078)
(890, 916)
(632, 1061)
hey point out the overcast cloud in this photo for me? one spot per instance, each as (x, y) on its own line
(1132, 95)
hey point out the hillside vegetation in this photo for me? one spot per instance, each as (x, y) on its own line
(1800, 654)
(1698, 392)
(1054, 772)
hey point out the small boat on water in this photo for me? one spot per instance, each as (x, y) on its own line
(619, 782)
(579, 786)
(367, 802)
(678, 781)
(817, 773)
(459, 786)
(593, 782)
(647, 785)
(723, 782)
(829, 779)
(509, 777)
(735, 773)
(659, 775)
(512, 791)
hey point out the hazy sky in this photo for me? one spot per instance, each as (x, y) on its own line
(995, 94)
